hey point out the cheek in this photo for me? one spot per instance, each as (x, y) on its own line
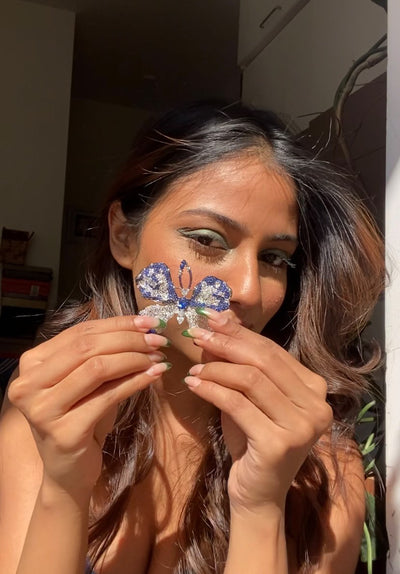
(274, 295)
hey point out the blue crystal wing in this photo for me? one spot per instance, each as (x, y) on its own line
(154, 282)
(211, 292)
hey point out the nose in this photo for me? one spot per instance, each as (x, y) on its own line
(245, 282)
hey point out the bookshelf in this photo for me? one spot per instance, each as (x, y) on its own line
(24, 292)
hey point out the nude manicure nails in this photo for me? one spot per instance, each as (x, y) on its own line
(156, 357)
(145, 322)
(192, 381)
(198, 333)
(196, 369)
(158, 369)
(216, 316)
(155, 340)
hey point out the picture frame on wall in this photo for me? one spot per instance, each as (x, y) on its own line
(80, 225)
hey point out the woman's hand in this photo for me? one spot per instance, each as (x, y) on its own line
(273, 409)
(69, 388)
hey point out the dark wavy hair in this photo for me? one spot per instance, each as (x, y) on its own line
(338, 278)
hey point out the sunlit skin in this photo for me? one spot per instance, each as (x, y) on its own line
(236, 220)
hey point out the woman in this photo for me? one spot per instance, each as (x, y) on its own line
(225, 447)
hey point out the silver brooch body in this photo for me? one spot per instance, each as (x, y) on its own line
(154, 282)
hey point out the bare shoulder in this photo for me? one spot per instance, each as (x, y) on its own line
(20, 476)
(344, 524)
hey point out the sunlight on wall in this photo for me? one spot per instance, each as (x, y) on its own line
(392, 315)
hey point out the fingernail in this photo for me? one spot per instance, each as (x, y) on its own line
(186, 333)
(157, 357)
(197, 333)
(192, 381)
(196, 369)
(146, 322)
(205, 311)
(155, 340)
(215, 316)
(158, 369)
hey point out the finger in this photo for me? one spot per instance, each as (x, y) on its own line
(95, 372)
(60, 364)
(86, 329)
(252, 383)
(95, 413)
(264, 394)
(247, 416)
(92, 408)
(300, 432)
(223, 323)
(234, 343)
(263, 354)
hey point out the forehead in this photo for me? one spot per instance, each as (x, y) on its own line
(242, 185)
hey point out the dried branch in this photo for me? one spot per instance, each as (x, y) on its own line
(371, 58)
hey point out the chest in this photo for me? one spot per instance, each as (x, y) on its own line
(147, 541)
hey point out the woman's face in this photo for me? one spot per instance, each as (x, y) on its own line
(236, 220)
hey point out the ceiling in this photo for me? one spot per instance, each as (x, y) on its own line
(154, 53)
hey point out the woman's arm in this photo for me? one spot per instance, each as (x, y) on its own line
(33, 511)
(257, 542)
(273, 410)
(66, 395)
(60, 521)
(20, 478)
(344, 526)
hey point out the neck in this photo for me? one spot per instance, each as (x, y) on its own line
(181, 413)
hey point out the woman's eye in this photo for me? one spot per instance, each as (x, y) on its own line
(206, 243)
(277, 259)
(205, 238)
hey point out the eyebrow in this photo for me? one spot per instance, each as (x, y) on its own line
(223, 219)
(227, 221)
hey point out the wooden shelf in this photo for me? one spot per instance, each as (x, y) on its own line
(23, 302)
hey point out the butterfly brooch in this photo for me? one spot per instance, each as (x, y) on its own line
(154, 282)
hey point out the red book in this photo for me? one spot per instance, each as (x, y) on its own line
(11, 287)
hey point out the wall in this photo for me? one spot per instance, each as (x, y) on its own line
(298, 73)
(393, 291)
(36, 49)
(100, 137)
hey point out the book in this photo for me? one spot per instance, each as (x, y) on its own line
(13, 271)
(32, 288)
